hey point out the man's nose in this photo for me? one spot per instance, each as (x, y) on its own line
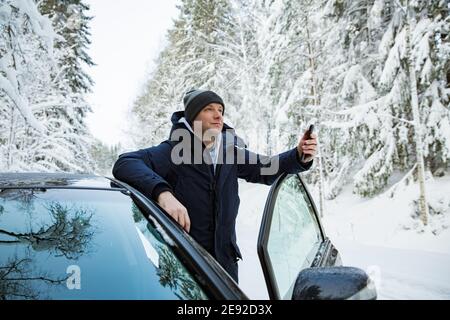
(218, 114)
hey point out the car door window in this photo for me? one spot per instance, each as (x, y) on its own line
(294, 234)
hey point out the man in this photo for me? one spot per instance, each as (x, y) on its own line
(201, 193)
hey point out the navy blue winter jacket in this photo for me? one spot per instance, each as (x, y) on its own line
(211, 198)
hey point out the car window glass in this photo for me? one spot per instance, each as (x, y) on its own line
(294, 235)
(85, 244)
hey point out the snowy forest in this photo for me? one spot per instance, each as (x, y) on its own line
(372, 75)
(43, 82)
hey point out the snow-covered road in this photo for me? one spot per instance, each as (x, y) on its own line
(400, 273)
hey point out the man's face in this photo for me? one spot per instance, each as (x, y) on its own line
(211, 118)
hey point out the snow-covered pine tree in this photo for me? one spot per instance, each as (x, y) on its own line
(237, 55)
(25, 35)
(363, 118)
(431, 43)
(250, 66)
(42, 126)
(421, 60)
(409, 45)
(192, 58)
(70, 20)
(150, 115)
(376, 91)
(21, 21)
(351, 58)
(302, 23)
(104, 156)
(265, 75)
(208, 21)
(408, 49)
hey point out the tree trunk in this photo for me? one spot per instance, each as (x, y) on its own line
(321, 192)
(418, 129)
(316, 95)
(11, 140)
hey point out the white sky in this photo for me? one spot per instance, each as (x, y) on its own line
(127, 36)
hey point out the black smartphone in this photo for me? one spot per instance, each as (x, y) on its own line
(307, 137)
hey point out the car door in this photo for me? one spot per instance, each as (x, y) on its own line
(291, 237)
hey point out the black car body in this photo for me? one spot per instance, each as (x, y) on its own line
(65, 236)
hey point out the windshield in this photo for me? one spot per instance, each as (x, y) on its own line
(85, 244)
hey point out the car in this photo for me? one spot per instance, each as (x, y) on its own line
(74, 236)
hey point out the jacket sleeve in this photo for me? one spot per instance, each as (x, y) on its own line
(263, 169)
(145, 169)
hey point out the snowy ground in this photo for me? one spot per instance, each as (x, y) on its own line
(377, 235)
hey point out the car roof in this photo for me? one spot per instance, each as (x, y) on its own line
(48, 180)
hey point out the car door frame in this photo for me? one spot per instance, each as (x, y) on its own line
(326, 255)
(205, 269)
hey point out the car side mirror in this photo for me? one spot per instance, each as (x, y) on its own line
(334, 283)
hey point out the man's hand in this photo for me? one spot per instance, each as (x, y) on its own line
(307, 147)
(175, 209)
